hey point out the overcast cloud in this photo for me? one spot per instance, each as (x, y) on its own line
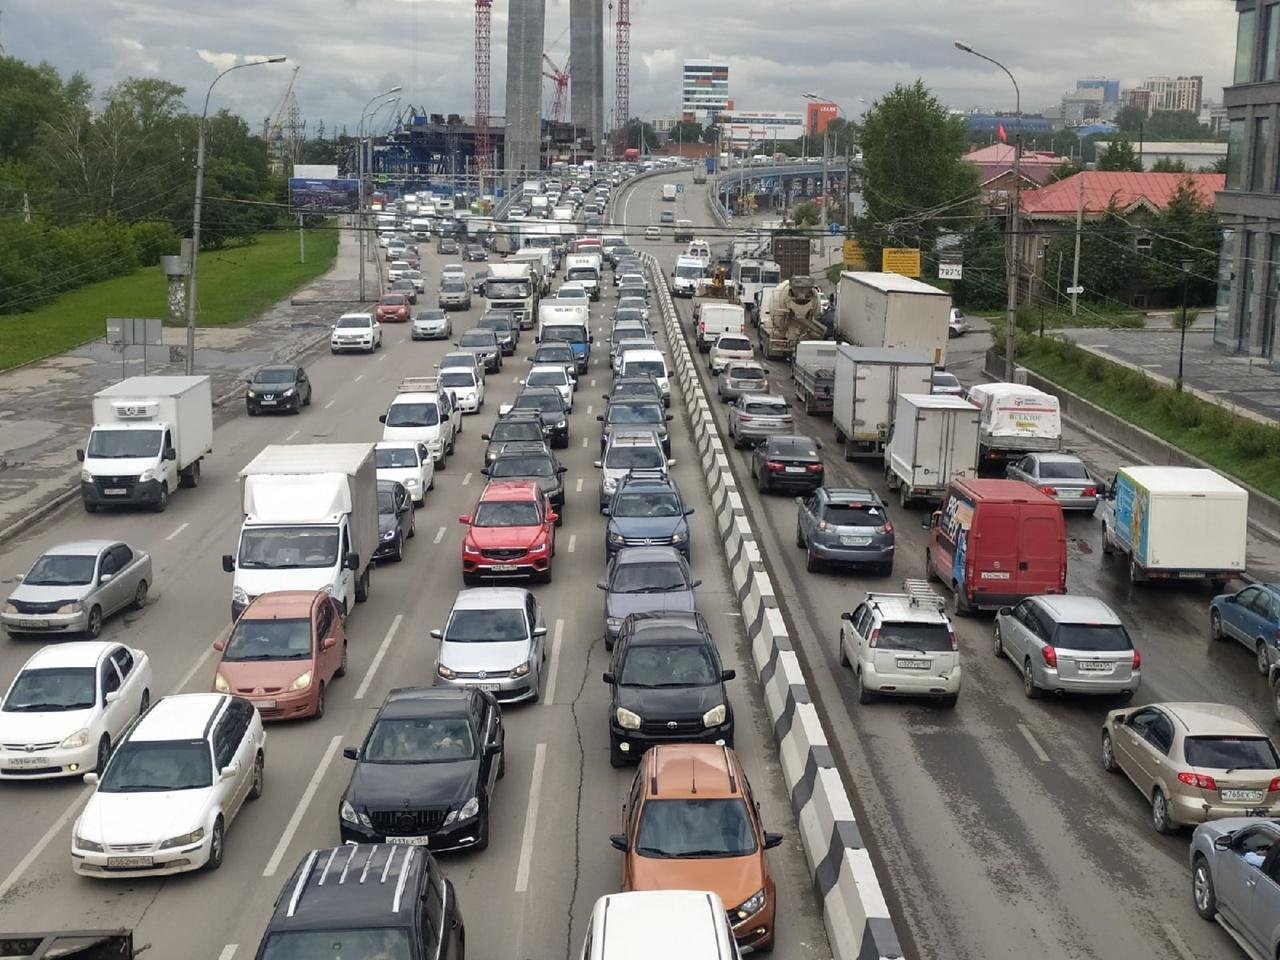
(776, 50)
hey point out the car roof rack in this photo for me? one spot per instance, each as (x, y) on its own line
(917, 594)
(419, 385)
(647, 473)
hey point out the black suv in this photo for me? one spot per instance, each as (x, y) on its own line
(516, 426)
(531, 460)
(366, 900)
(426, 770)
(667, 686)
(504, 328)
(550, 407)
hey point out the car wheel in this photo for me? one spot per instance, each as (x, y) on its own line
(398, 555)
(1160, 813)
(259, 776)
(844, 656)
(163, 502)
(342, 667)
(215, 847)
(799, 536)
(140, 595)
(886, 569)
(617, 759)
(997, 642)
(865, 696)
(1029, 682)
(929, 575)
(763, 484)
(104, 755)
(1260, 657)
(1202, 893)
(1108, 754)
(307, 402)
(949, 702)
(811, 562)
(93, 629)
(250, 411)
(413, 526)
(502, 764)
(1215, 626)
(469, 579)
(319, 701)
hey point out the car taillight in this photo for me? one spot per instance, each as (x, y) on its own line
(1274, 785)
(887, 528)
(702, 327)
(742, 328)
(814, 468)
(1089, 492)
(744, 417)
(1137, 660)
(1051, 491)
(1050, 656)
(952, 637)
(773, 466)
(1201, 780)
(823, 525)
(875, 637)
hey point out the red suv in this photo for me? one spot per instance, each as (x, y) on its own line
(511, 534)
(393, 308)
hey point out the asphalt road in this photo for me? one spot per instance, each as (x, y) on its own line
(525, 898)
(998, 832)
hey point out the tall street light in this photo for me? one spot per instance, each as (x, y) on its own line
(848, 167)
(199, 201)
(361, 213)
(1182, 319)
(1011, 257)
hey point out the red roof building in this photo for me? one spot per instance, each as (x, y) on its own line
(996, 161)
(1130, 191)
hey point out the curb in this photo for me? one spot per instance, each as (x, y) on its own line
(854, 909)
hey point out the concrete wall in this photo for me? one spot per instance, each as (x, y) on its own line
(526, 22)
(586, 69)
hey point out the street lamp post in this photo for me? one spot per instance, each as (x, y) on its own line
(1011, 264)
(361, 213)
(195, 211)
(847, 171)
(1182, 319)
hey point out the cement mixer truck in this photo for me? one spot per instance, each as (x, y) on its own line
(789, 313)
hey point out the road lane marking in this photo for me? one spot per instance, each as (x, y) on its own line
(589, 409)
(584, 441)
(531, 819)
(1179, 944)
(383, 357)
(1035, 747)
(593, 383)
(230, 949)
(34, 853)
(358, 378)
(554, 668)
(466, 479)
(300, 810)
(377, 657)
(439, 535)
(178, 531)
(330, 404)
(286, 440)
(579, 487)
(573, 541)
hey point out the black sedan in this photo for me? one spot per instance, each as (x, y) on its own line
(789, 462)
(396, 522)
(476, 253)
(426, 770)
(277, 387)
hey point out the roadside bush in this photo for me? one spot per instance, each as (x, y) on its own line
(151, 241)
(1254, 439)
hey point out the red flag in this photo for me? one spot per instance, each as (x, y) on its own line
(1004, 137)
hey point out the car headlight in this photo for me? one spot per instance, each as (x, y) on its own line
(714, 717)
(302, 682)
(539, 548)
(465, 812)
(86, 476)
(389, 535)
(609, 484)
(613, 621)
(10, 608)
(521, 669)
(75, 606)
(76, 740)
(147, 474)
(220, 684)
(348, 813)
(752, 905)
(288, 393)
(444, 671)
(250, 392)
(186, 839)
(626, 719)
(680, 536)
(238, 595)
(80, 843)
(469, 550)
(616, 538)
(560, 425)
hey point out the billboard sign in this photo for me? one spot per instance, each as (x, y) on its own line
(901, 260)
(324, 196)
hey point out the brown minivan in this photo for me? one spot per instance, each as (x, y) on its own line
(283, 653)
(692, 824)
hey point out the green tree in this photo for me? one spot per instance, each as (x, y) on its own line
(1218, 166)
(710, 133)
(1161, 125)
(1186, 230)
(1068, 168)
(638, 129)
(913, 171)
(983, 248)
(1169, 165)
(807, 214)
(1120, 156)
(686, 131)
(1131, 119)
(1109, 264)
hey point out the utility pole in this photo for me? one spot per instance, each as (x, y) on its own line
(1075, 270)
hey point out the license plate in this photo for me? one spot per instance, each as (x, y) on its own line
(1252, 796)
(489, 687)
(854, 541)
(26, 762)
(115, 491)
(409, 841)
(1184, 575)
(914, 664)
(1094, 666)
(31, 624)
(994, 575)
(504, 568)
(129, 862)
(267, 403)
(264, 704)
(795, 469)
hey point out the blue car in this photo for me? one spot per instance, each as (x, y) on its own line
(647, 511)
(1251, 616)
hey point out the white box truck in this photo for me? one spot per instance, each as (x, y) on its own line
(669, 192)
(149, 435)
(310, 523)
(1184, 523)
(893, 311)
(934, 441)
(867, 383)
(1017, 419)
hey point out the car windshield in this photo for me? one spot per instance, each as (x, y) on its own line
(646, 505)
(853, 515)
(52, 690)
(749, 274)
(922, 637)
(564, 333)
(572, 293)
(640, 458)
(393, 300)
(695, 828)
(487, 626)
(635, 413)
(631, 315)
(547, 378)
(287, 548)
(61, 570)
(478, 338)
(734, 343)
(417, 740)
(689, 271)
(1231, 753)
(770, 277)
(651, 368)
(273, 376)
(108, 444)
(429, 316)
(667, 665)
(506, 289)
(453, 286)
(155, 766)
(505, 430)
(496, 324)
(382, 943)
(507, 513)
(763, 408)
(945, 380)
(554, 355)
(1062, 470)
(1092, 636)
(648, 578)
(413, 415)
(460, 378)
(547, 402)
(395, 457)
(534, 466)
(353, 322)
(581, 273)
(254, 639)
(745, 373)
(386, 502)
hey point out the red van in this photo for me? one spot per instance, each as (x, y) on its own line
(995, 542)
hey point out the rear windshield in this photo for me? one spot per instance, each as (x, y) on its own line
(767, 409)
(1063, 471)
(639, 458)
(733, 343)
(1092, 636)
(565, 333)
(851, 515)
(746, 373)
(1231, 753)
(925, 637)
(505, 430)
(653, 368)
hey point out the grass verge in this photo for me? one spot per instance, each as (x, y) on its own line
(1238, 446)
(236, 284)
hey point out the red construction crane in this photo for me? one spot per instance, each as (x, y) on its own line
(560, 93)
(483, 144)
(622, 77)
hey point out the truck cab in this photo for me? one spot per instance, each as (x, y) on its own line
(510, 286)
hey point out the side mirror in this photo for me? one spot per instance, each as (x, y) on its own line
(1005, 612)
(600, 417)
(608, 678)
(596, 464)
(437, 634)
(90, 778)
(619, 842)
(539, 631)
(465, 519)
(484, 436)
(669, 418)
(228, 563)
(728, 675)
(351, 561)
(170, 454)
(351, 753)
(688, 511)
(601, 585)
(604, 511)
(562, 469)
(772, 840)
(111, 697)
(552, 517)
(328, 643)
(604, 396)
(671, 462)
(817, 444)
(106, 578)
(229, 771)
(219, 645)
(847, 616)
(484, 471)
(1224, 842)
(382, 418)
(80, 455)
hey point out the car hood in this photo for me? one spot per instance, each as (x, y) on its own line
(494, 656)
(386, 522)
(257, 387)
(663, 702)
(53, 726)
(399, 474)
(249, 675)
(620, 604)
(504, 538)
(431, 323)
(640, 527)
(118, 466)
(37, 594)
(733, 878)
(119, 818)
(420, 434)
(383, 786)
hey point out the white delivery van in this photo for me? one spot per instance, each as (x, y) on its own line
(717, 318)
(149, 435)
(424, 412)
(868, 381)
(510, 286)
(647, 363)
(553, 311)
(421, 228)
(310, 523)
(669, 192)
(934, 441)
(1016, 420)
(584, 269)
(684, 278)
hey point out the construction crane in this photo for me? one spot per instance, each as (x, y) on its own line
(277, 123)
(483, 142)
(622, 75)
(560, 89)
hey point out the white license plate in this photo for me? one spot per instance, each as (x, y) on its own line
(795, 469)
(409, 841)
(1252, 796)
(490, 687)
(1184, 575)
(267, 403)
(32, 624)
(264, 704)
(129, 862)
(115, 491)
(1093, 666)
(994, 575)
(914, 664)
(504, 568)
(26, 762)
(855, 541)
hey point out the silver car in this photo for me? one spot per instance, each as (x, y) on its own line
(1068, 645)
(455, 294)
(495, 640)
(431, 325)
(628, 450)
(755, 416)
(739, 377)
(74, 587)
(1061, 475)
(1235, 879)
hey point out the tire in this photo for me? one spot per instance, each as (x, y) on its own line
(865, 696)
(905, 500)
(191, 478)
(844, 657)
(469, 579)
(1160, 813)
(307, 402)
(502, 764)
(811, 561)
(140, 596)
(90, 507)
(762, 484)
(799, 537)
(544, 577)
(362, 587)
(93, 628)
(413, 528)
(1261, 660)
(929, 575)
(319, 714)
(1029, 688)
(1215, 626)
(997, 642)
(1135, 574)
(617, 759)
(342, 667)
(259, 777)
(959, 606)
(216, 842)
(163, 503)
(398, 556)
(885, 569)
(949, 702)
(104, 755)
(1203, 897)
(1109, 754)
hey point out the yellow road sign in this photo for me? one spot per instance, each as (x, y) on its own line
(903, 260)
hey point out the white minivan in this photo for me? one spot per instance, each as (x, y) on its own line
(647, 363)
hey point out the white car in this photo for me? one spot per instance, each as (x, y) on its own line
(68, 706)
(406, 463)
(551, 375)
(398, 269)
(652, 232)
(356, 331)
(467, 388)
(423, 413)
(727, 348)
(454, 270)
(574, 293)
(172, 789)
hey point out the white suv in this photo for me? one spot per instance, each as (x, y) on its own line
(356, 331)
(902, 644)
(728, 348)
(422, 412)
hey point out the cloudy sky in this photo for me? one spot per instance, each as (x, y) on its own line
(844, 49)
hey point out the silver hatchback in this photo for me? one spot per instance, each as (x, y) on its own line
(494, 640)
(756, 416)
(1068, 644)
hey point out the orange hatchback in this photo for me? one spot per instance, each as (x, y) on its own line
(283, 653)
(692, 824)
